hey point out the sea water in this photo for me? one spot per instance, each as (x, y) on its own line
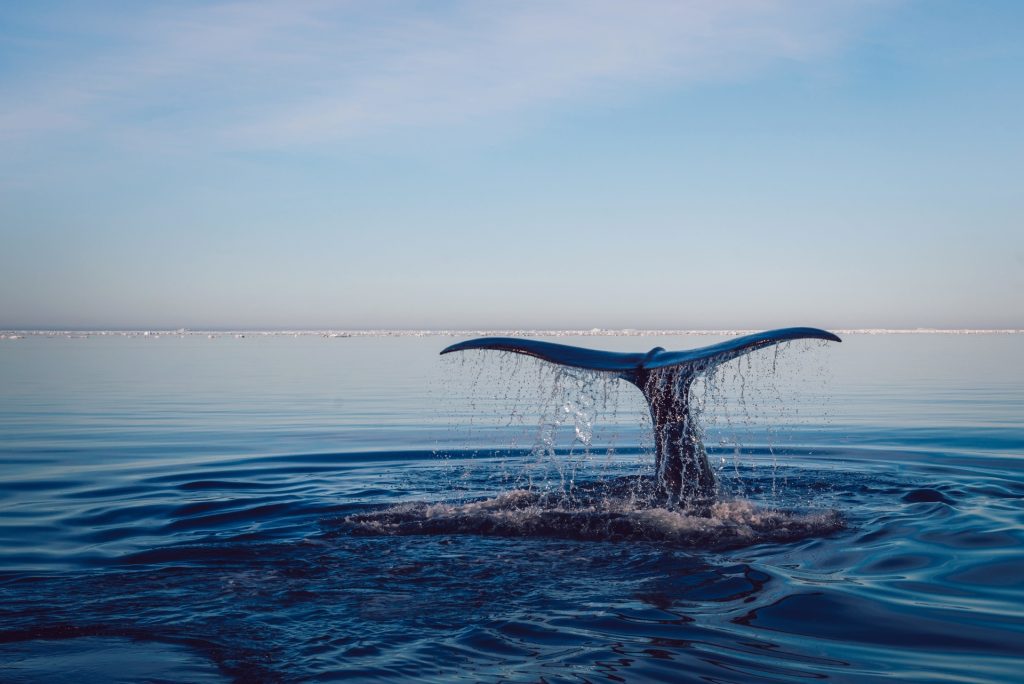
(221, 507)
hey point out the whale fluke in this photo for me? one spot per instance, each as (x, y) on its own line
(595, 359)
(562, 354)
(664, 377)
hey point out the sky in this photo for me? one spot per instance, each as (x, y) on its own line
(565, 164)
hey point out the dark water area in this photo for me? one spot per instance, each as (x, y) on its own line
(271, 508)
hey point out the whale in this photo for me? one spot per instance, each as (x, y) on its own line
(684, 478)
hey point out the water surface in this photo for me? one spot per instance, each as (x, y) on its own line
(272, 508)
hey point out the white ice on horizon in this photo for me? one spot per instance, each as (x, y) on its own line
(593, 332)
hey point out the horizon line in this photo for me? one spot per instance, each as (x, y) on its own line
(15, 333)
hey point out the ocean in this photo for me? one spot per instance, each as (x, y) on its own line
(217, 507)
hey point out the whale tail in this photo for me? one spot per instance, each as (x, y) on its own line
(628, 364)
(664, 377)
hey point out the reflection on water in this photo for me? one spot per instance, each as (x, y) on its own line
(294, 509)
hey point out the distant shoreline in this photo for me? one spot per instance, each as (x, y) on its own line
(593, 332)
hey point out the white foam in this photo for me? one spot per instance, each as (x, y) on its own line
(521, 513)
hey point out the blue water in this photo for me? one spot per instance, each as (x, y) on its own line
(276, 508)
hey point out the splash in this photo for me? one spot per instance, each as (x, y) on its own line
(607, 513)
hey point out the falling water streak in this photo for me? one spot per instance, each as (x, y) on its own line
(734, 404)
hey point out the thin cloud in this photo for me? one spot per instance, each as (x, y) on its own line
(322, 72)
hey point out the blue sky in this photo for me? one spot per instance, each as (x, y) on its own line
(569, 164)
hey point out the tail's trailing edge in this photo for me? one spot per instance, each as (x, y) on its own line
(594, 359)
(724, 351)
(563, 354)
